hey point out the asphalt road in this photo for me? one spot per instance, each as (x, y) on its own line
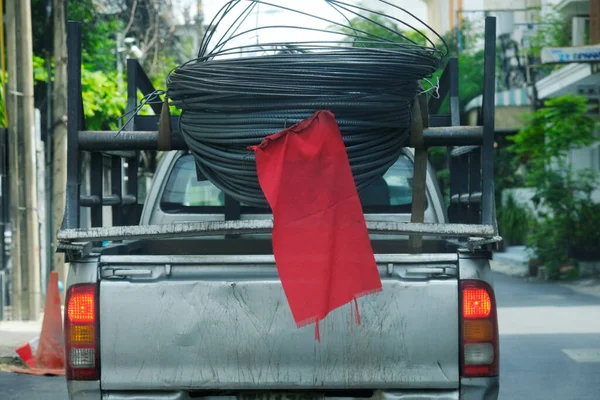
(549, 346)
(549, 341)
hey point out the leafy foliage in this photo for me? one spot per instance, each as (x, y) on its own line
(554, 30)
(513, 222)
(103, 104)
(550, 131)
(562, 194)
(98, 35)
(377, 26)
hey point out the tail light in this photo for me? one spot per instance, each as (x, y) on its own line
(81, 333)
(479, 331)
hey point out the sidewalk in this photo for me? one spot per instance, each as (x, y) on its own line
(16, 333)
(514, 262)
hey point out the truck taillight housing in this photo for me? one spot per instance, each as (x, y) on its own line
(479, 330)
(81, 333)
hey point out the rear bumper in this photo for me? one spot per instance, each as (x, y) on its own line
(479, 388)
(408, 395)
(84, 390)
(471, 389)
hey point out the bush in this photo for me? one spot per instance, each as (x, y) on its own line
(585, 245)
(513, 222)
(567, 218)
(550, 242)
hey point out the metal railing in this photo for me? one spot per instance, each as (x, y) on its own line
(470, 154)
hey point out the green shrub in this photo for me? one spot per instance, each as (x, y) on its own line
(567, 218)
(585, 245)
(550, 242)
(513, 222)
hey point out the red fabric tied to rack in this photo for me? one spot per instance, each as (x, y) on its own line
(320, 239)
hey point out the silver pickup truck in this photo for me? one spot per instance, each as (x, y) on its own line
(187, 318)
(180, 298)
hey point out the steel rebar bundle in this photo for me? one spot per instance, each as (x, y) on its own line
(236, 93)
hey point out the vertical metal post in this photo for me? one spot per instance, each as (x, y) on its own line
(97, 186)
(232, 208)
(474, 216)
(454, 99)
(487, 153)
(116, 183)
(462, 176)
(71, 219)
(233, 211)
(132, 189)
(132, 72)
(453, 162)
(132, 163)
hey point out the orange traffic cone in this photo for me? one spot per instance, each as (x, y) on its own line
(50, 356)
(27, 352)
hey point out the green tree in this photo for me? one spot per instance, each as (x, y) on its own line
(376, 31)
(554, 30)
(103, 104)
(562, 194)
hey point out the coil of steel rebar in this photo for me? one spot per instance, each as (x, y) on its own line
(232, 96)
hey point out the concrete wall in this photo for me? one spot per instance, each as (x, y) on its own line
(519, 17)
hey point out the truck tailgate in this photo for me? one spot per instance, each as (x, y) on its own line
(209, 323)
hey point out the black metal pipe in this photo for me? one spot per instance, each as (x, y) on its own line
(466, 198)
(110, 200)
(74, 112)
(454, 100)
(487, 153)
(475, 186)
(136, 79)
(453, 136)
(97, 187)
(118, 141)
(148, 140)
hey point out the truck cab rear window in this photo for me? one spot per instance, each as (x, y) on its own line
(184, 194)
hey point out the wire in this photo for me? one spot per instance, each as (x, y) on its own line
(236, 93)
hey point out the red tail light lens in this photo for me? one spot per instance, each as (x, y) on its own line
(479, 330)
(81, 307)
(476, 303)
(81, 333)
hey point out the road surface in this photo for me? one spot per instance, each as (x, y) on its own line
(549, 346)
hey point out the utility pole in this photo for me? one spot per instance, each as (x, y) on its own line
(22, 167)
(59, 114)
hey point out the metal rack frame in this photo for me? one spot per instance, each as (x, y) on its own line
(470, 150)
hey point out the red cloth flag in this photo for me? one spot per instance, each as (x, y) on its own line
(320, 239)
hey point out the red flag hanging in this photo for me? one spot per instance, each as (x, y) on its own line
(320, 239)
